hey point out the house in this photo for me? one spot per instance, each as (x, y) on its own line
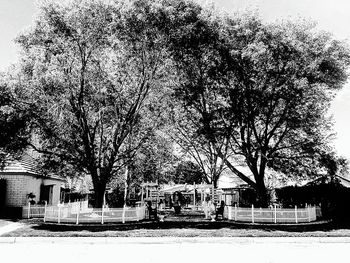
(22, 182)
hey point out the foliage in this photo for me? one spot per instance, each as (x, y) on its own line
(193, 146)
(154, 161)
(89, 68)
(187, 172)
(332, 197)
(116, 198)
(101, 78)
(263, 88)
(14, 120)
(194, 44)
(282, 81)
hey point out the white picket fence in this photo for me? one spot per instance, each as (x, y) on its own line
(78, 212)
(33, 211)
(271, 215)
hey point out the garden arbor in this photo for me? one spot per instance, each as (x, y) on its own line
(193, 195)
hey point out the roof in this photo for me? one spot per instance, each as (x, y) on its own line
(187, 188)
(25, 164)
(344, 181)
(150, 184)
(323, 180)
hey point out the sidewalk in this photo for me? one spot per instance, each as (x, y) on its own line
(174, 250)
(8, 226)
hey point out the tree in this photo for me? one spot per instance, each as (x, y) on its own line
(89, 68)
(14, 122)
(183, 130)
(154, 161)
(283, 78)
(192, 39)
(187, 172)
(263, 88)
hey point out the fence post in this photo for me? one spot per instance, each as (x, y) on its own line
(45, 211)
(212, 188)
(28, 210)
(252, 213)
(143, 212)
(194, 196)
(235, 212)
(296, 214)
(78, 213)
(123, 213)
(137, 211)
(308, 213)
(102, 215)
(59, 215)
(275, 208)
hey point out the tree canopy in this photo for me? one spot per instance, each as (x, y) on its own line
(263, 88)
(14, 120)
(89, 68)
(102, 77)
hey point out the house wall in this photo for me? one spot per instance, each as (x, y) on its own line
(16, 188)
(56, 189)
(20, 185)
(33, 186)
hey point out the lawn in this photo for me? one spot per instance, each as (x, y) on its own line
(35, 228)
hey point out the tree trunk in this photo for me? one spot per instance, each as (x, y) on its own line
(99, 190)
(215, 182)
(262, 195)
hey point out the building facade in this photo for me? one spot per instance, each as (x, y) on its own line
(23, 182)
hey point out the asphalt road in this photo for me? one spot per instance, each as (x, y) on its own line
(152, 250)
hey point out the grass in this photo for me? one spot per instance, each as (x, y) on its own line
(36, 228)
(187, 224)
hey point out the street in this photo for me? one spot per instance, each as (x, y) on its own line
(153, 250)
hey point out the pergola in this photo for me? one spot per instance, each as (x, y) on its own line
(154, 192)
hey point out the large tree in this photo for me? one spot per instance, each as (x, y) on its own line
(89, 68)
(282, 80)
(265, 88)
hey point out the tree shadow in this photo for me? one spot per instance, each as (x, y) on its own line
(324, 226)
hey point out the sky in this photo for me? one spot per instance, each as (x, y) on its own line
(332, 16)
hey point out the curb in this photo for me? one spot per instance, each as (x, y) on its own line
(172, 240)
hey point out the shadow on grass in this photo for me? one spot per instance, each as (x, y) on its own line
(324, 226)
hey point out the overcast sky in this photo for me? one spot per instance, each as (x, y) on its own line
(333, 16)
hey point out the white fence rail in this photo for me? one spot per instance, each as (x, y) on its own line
(271, 215)
(78, 212)
(36, 211)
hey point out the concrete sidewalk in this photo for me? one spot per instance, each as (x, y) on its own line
(8, 226)
(169, 250)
